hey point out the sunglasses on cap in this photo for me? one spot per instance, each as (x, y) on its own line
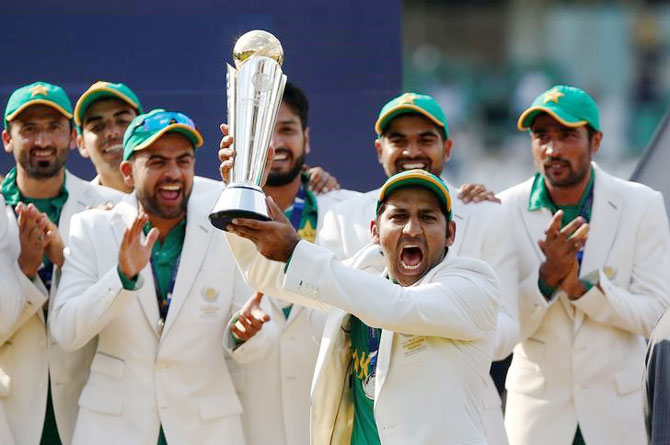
(163, 119)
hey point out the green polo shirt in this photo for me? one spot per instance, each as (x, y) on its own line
(52, 207)
(540, 198)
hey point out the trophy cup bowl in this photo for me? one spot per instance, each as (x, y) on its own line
(254, 88)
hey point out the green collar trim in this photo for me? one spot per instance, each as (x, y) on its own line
(51, 206)
(540, 198)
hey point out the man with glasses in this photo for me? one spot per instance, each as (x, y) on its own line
(156, 283)
(41, 197)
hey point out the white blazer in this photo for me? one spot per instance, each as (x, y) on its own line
(482, 231)
(581, 362)
(434, 352)
(140, 380)
(274, 389)
(28, 354)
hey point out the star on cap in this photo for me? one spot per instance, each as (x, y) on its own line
(552, 95)
(39, 90)
(407, 98)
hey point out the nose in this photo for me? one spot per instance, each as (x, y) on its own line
(412, 149)
(413, 226)
(114, 130)
(553, 147)
(172, 170)
(42, 139)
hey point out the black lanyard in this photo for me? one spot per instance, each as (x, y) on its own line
(164, 302)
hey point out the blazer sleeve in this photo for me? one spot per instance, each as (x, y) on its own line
(637, 306)
(20, 297)
(460, 302)
(86, 301)
(499, 253)
(330, 235)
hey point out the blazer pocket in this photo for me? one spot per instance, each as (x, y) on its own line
(104, 390)
(107, 365)
(525, 380)
(628, 380)
(219, 406)
(532, 349)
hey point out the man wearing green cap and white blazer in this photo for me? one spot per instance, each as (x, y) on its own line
(156, 283)
(41, 197)
(413, 133)
(594, 258)
(404, 351)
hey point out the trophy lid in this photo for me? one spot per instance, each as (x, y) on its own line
(257, 43)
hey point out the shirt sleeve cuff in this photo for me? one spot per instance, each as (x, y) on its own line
(545, 290)
(128, 283)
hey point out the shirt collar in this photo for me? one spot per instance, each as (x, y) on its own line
(540, 198)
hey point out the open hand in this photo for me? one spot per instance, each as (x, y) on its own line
(250, 319)
(274, 239)
(476, 193)
(33, 227)
(134, 254)
(55, 246)
(320, 181)
(560, 247)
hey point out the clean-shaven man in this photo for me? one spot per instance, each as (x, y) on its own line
(405, 352)
(413, 133)
(275, 390)
(156, 283)
(41, 197)
(594, 259)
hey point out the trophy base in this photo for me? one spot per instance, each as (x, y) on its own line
(239, 201)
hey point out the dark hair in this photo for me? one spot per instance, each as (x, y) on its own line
(295, 98)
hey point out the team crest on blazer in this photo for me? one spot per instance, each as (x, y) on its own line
(210, 294)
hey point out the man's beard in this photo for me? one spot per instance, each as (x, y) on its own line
(42, 169)
(276, 179)
(151, 205)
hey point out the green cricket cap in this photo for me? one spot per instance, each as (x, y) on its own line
(417, 178)
(145, 129)
(571, 106)
(41, 93)
(104, 90)
(412, 103)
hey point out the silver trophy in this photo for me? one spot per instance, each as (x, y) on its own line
(255, 89)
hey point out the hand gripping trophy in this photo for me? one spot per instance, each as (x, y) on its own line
(255, 91)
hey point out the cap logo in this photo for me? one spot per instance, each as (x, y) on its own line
(553, 96)
(407, 98)
(39, 90)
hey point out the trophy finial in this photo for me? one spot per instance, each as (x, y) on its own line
(257, 43)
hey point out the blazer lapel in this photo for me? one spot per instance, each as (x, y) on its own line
(383, 361)
(126, 212)
(605, 216)
(198, 232)
(461, 218)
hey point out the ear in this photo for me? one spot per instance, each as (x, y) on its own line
(307, 147)
(451, 235)
(595, 141)
(447, 149)
(73, 138)
(126, 168)
(378, 149)
(7, 141)
(374, 231)
(81, 145)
